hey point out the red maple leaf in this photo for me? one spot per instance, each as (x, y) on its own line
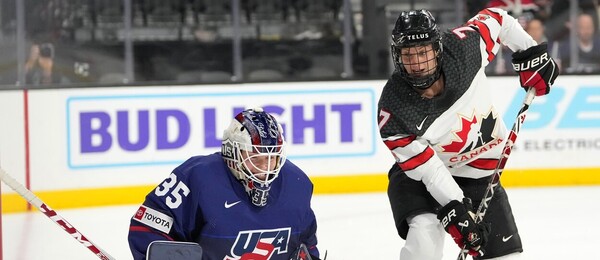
(459, 142)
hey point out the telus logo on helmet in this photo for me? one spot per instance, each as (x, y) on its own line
(419, 36)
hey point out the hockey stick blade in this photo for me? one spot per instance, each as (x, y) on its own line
(512, 138)
(50, 213)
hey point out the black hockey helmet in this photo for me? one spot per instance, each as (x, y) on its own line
(416, 28)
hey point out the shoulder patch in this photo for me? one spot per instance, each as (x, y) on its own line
(154, 219)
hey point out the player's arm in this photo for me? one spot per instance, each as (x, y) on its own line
(498, 26)
(418, 160)
(142, 231)
(162, 216)
(308, 237)
(533, 63)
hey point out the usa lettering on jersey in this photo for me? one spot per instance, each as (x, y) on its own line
(260, 244)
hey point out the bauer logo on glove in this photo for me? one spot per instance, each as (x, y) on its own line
(457, 219)
(526, 65)
(536, 68)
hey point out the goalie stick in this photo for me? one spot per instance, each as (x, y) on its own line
(50, 213)
(512, 137)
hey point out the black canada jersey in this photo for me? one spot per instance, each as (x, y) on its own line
(460, 131)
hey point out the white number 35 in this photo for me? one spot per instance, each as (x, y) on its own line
(174, 199)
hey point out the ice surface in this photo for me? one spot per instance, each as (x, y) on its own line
(554, 223)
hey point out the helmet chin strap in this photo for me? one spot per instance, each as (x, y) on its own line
(432, 81)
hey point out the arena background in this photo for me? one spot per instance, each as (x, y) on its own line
(110, 146)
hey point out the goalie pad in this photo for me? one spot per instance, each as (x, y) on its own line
(162, 250)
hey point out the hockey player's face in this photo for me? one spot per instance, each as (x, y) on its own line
(419, 61)
(260, 164)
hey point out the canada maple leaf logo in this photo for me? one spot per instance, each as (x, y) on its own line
(482, 17)
(471, 134)
(461, 135)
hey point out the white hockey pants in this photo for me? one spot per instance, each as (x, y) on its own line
(425, 240)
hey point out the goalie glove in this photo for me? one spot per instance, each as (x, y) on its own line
(457, 220)
(536, 68)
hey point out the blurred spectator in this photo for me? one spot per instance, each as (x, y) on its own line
(588, 47)
(501, 65)
(536, 29)
(45, 20)
(513, 6)
(544, 9)
(557, 25)
(474, 6)
(40, 68)
(523, 10)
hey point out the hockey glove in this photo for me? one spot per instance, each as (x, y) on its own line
(536, 68)
(302, 254)
(457, 220)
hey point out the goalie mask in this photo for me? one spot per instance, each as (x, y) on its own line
(254, 150)
(417, 48)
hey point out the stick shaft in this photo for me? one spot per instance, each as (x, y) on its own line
(50, 213)
(512, 138)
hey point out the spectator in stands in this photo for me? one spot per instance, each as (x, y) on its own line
(501, 65)
(544, 9)
(514, 6)
(523, 10)
(588, 47)
(40, 69)
(558, 22)
(474, 6)
(535, 28)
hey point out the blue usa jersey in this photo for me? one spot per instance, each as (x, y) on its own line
(202, 202)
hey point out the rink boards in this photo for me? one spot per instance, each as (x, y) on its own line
(105, 146)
